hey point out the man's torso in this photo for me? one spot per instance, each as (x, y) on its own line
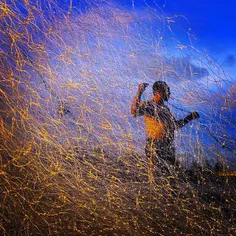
(159, 121)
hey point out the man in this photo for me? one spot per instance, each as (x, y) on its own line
(160, 122)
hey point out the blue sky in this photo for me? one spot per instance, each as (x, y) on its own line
(213, 23)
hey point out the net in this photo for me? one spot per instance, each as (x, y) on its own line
(72, 156)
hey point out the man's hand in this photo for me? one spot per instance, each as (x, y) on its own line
(142, 87)
(195, 115)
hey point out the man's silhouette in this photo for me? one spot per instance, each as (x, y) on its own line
(160, 122)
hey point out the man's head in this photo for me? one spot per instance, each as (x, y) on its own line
(161, 88)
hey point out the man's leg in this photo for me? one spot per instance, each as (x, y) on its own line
(157, 152)
(165, 156)
(150, 152)
(170, 154)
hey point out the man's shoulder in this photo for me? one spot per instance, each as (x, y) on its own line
(146, 103)
(151, 103)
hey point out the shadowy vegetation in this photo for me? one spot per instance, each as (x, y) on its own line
(84, 194)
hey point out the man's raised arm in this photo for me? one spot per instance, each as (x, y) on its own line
(135, 111)
(181, 123)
